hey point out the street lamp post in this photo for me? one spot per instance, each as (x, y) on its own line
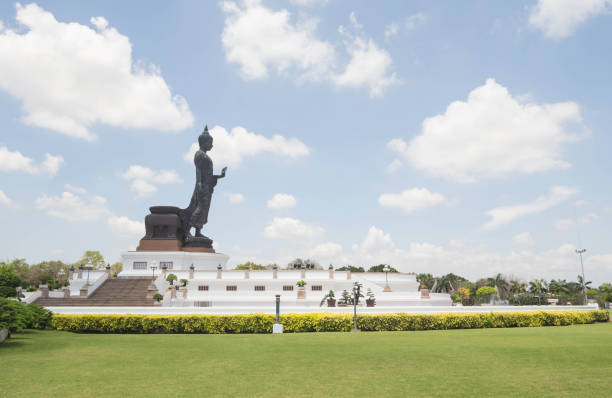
(580, 251)
(153, 268)
(277, 327)
(355, 298)
(88, 268)
(386, 269)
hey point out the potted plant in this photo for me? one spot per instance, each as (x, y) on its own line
(158, 298)
(301, 291)
(183, 282)
(345, 299)
(171, 278)
(331, 301)
(371, 300)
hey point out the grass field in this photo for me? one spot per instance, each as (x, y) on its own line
(544, 362)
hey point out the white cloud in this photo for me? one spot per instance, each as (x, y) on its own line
(143, 178)
(143, 188)
(292, 230)
(1, 25)
(72, 207)
(413, 21)
(73, 189)
(588, 218)
(282, 201)
(4, 200)
(560, 18)
(505, 214)
(564, 224)
(230, 148)
(392, 30)
(51, 164)
(325, 250)
(70, 76)
(491, 135)
(395, 165)
(123, 227)
(15, 161)
(235, 197)
(411, 200)
(473, 261)
(261, 40)
(523, 241)
(369, 65)
(409, 23)
(258, 39)
(308, 3)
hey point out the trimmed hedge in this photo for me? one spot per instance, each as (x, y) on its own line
(321, 322)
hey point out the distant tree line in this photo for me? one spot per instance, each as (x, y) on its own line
(515, 291)
(18, 273)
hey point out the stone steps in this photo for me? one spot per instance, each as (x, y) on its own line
(112, 293)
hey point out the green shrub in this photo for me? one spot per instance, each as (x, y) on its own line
(318, 322)
(16, 316)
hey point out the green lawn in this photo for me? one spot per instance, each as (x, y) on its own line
(553, 361)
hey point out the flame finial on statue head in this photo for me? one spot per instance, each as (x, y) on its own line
(205, 136)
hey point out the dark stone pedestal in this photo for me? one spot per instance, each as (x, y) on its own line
(164, 230)
(198, 244)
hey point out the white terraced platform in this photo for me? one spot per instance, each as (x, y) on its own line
(138, 263)
(255, 289)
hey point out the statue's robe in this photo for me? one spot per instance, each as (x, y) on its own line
(196, 214)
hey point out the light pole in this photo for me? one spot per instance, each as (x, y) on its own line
(277, 327)
(355, 298)
(88, 268)
(60, 276)
(386, 269)
(582, 266)
(153, 268)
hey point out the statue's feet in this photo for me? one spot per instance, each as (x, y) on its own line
(199, 235)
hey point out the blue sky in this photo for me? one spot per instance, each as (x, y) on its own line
(465, 137)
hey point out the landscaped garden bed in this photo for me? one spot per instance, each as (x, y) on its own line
(319, 322)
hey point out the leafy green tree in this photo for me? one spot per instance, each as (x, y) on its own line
(250, 264)
(171, 278)
(93, 257)
(583, 283)
(426, 279)
(381, 267)
(517, 287)
(9, 281)
(502, 285)
(484, 293)
(538, 288)
(448, 283)
(116, 268)
(605, 287)
(351, 268)
(558, 287)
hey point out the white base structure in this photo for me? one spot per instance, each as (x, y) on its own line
(139, 263)
(257, 289)
(285, 309)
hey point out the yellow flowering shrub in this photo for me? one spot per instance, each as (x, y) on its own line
(318, 322)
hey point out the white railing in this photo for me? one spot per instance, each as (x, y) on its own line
(30, 297)
(97, 283)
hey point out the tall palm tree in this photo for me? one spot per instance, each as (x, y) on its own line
(517, 287)
(502, 285)
(557, 287)
(538, 288)
(586, 285)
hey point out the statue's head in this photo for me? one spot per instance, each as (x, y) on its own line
(205, 140)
